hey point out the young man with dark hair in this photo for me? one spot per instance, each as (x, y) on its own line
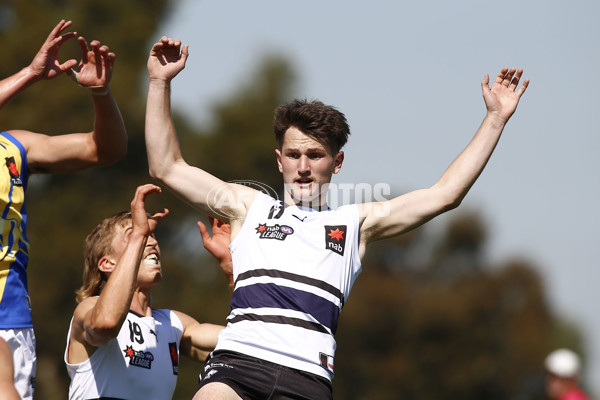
(295, 261)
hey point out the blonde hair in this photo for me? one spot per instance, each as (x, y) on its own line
(97, 245)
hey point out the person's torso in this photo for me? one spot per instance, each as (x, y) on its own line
(15, 310)
(293, 270)
(140, 363)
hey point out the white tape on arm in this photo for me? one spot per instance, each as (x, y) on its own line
(75, 77)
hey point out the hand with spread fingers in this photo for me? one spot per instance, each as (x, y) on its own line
(140, 220)
(167, 58)
(45, 64)
(503, 97)
(96, 65)
(218, 245)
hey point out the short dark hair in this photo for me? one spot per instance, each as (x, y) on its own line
(319, 121)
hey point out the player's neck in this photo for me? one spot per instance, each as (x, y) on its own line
(141, 302)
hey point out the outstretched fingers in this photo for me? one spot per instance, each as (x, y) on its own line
(515, 79)
(99, 51)
(523, 87)
(203, 231)
(167, 58)
(45, 64)
(508, 78)
(95, 67)
(141, 193)
(218, 224)
(506, 81)
(500, 77)
(502, 97)
(55, 37)
(485, 83)
(83, 45)
(139, 215)
(515, 83)
(156, 217)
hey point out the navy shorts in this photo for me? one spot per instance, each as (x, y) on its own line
(255, 379)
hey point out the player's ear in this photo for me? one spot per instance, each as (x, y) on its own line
(106, 264)
(338, 161)
(278, 152)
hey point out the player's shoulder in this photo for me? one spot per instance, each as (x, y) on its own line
(25, 138)
(84, 307)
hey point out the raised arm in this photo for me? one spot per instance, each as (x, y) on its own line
(403, 213)
(218, 246)
(105, 144)
(202, 190)
(98, 319)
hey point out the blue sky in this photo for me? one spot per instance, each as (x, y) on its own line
(407, 75)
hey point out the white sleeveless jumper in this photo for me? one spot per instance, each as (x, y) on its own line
(140, 363)
(294, 268)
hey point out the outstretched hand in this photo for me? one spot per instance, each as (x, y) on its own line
(167, 59)
(218, 245)
(139, 217)
(45, 64)
(96, 65)
(503, 97)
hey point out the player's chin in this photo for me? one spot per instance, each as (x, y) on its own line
(154, 273)
(305, 195)
(157, 277)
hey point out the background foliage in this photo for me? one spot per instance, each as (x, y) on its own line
(428, 319)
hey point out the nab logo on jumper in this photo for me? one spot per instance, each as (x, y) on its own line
(174, 357)
(13, 171)
(139, 358)
(278, 232)
(335, 238)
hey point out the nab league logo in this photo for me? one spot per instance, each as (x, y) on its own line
(335, 238)
(139, 358)
(13, 171)
(278, 232)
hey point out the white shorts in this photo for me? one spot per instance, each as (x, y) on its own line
(22, 344)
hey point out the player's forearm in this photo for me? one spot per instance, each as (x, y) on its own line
(204, 339)
(110, 135)
(13, 85)
(162, 145)
(115, 299)
(460, 176)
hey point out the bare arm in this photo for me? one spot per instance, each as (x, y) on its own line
(98, 320)
(105, 144)
(198, 339)
(218, 246)
(406, 212)
(200, 189)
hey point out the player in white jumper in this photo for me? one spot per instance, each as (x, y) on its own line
(118, 346)
(294, 263)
